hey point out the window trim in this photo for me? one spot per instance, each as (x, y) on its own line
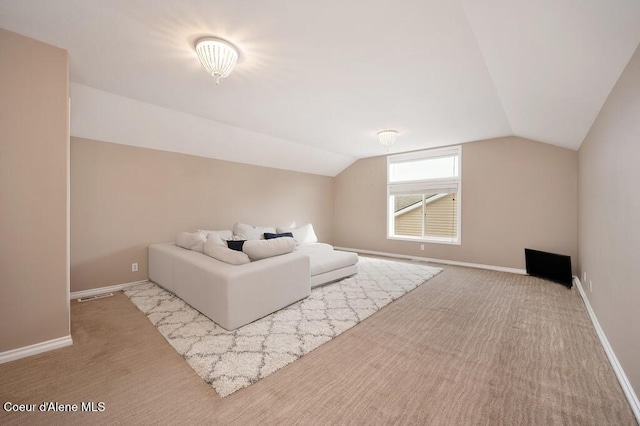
(433, 183)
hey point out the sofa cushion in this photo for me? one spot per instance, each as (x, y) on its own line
(192, 240)
(327, 261)
(261, 249)
(252, 232)
(270, 236)
(311, 248)
(303, 234)
(225, 254)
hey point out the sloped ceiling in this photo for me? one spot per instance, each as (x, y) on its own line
(317, 80)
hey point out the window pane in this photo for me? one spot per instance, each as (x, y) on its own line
(426, 215)
(440, 216)
(429, 168)
(423, 189)
(408, 215)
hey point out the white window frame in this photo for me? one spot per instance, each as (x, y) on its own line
(423, 186)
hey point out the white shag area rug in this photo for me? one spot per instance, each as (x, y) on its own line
(232, 360)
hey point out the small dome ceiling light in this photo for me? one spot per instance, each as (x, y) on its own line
(217, 56)
(387, 137)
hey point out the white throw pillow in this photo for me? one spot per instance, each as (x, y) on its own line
(252, 232)
(215, 238)
(261, 249)
(303, 234)
(222, 234)
(192, 240)
(225, 254)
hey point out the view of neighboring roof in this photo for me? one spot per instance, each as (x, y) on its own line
(405, 203)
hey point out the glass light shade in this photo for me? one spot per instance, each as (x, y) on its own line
(217, 56)
(387, 137)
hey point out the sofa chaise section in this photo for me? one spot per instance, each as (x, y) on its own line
(231, 295)
(328, 265)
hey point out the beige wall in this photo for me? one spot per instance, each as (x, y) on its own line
(34, 301)
(124, 198)
(609, 219)
(516, 193)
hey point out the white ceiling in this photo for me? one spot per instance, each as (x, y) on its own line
(319, 79)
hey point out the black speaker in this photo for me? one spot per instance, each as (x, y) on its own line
(552, 266)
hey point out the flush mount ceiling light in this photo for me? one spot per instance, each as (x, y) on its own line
(387, 137)
(217, 56)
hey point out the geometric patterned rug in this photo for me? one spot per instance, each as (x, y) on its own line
(232, 360)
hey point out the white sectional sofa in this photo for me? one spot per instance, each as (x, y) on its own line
(231, 295)
(234, 295)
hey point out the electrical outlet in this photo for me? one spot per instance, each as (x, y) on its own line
(421, 246)
(584, 277)
(134, 267)
(590, 286)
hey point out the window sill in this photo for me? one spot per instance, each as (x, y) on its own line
(425, 240)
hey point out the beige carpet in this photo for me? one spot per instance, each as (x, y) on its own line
(471, 347)
(232, 360)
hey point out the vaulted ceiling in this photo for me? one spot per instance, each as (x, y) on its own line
(317, 80)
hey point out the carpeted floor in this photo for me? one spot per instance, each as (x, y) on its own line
(471, 347)
(232, 360)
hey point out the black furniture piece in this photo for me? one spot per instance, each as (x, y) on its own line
(552, 266)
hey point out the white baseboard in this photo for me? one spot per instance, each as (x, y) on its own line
(613, 360)
(34, 349)
(443, 261)
(102, 290)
